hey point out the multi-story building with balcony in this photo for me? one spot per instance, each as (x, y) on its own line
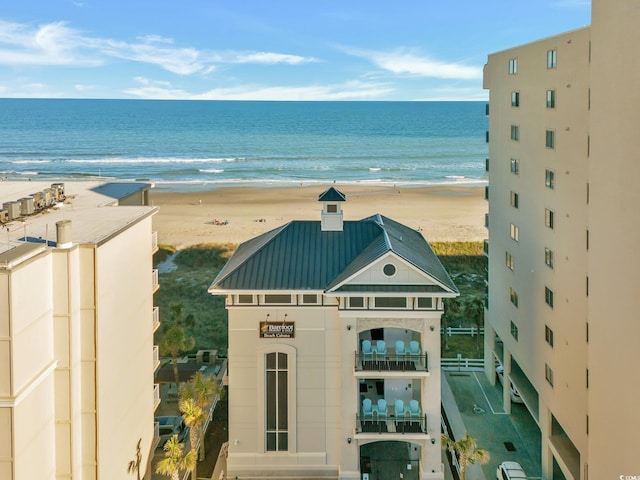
(77, 359)
(334, 350)
(563, 120)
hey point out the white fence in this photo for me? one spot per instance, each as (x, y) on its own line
(459, 363)
(473, 331)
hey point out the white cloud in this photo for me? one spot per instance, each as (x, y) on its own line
(57, 44)
(79, 87)
(400, 62)
(354, 90)
(272, 58)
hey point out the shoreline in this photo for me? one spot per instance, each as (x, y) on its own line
(234, 214)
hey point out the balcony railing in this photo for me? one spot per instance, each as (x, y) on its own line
(154, 280)
(156, 357)
(156, 318)
(485, 247)
(154, 242)
(156, 395)
(391, 362)
(391, 424)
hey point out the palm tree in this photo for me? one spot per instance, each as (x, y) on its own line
(201, 389)
(178, 317)
(194, 417)
(175, 462)
(466, 451)
(173, 342)
(474, 309)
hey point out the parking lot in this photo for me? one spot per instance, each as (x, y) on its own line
(514, 437)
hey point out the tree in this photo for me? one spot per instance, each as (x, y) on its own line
(175, 462)
(201, 389)
(451, 308)
(474, 309)
(466, 450)
(194, 417)
(173, 342)
(179, 318)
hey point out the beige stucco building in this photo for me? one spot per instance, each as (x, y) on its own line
(76, 330)
(563, 237)
(334, 350)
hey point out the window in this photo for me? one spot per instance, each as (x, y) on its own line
(515, 132)
(551, 99)
(424, 303)
(515, 99)
(548, 296)
(515, 233)
(587, 239)
(551, 58)
(356, 302)
(514, 199)
(509, 261)
(310, 299)
(513, 66)
(548, 217)
(389, 270)
(587, 285)
(245, 299)
(515, 166)
(587, 378)
(548, 335)
(548, 257)
(549, 179)
(277, 298)
(514, 331)
(390, 302)
(513, 296)
(548, 374)
(331, 208)
(550, 139)
(277, 408)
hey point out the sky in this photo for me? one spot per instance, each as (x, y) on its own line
(402, 50)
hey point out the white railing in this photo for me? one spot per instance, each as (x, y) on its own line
(156, 395)
(460, 363)
(154, 242)
(156, 357)
(462, 331)
(155, 283)
(156, 318)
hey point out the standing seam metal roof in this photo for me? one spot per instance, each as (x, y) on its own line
(300, 256)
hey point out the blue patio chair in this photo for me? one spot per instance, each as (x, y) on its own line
(400, 350)
(399, 409)
(414, 410)
(381, 350)
(367, 351)
(414, 348)
(367, 409)
(382, 408)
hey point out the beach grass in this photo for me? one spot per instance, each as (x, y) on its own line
(206, 316)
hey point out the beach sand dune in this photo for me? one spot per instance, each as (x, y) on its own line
(236, 214)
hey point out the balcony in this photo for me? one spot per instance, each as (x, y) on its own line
(373, 362)
(486, 164)
(156, 396)
(156, 357)
(154, 242)
(155, 284)
(391, 425)
(156, 318)
(156, 435)
(485, 246)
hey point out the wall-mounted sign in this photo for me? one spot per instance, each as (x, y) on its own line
(277, 329)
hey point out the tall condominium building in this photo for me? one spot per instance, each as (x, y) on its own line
(77, 358)
(334, 350)
(563, 235)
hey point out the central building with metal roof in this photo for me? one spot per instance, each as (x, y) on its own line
(334, 350)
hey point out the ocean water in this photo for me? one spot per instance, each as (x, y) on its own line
(199, 144)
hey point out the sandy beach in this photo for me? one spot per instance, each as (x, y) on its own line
(236, 214)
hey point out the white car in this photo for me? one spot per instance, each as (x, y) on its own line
(515, 395)
(510, 471)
